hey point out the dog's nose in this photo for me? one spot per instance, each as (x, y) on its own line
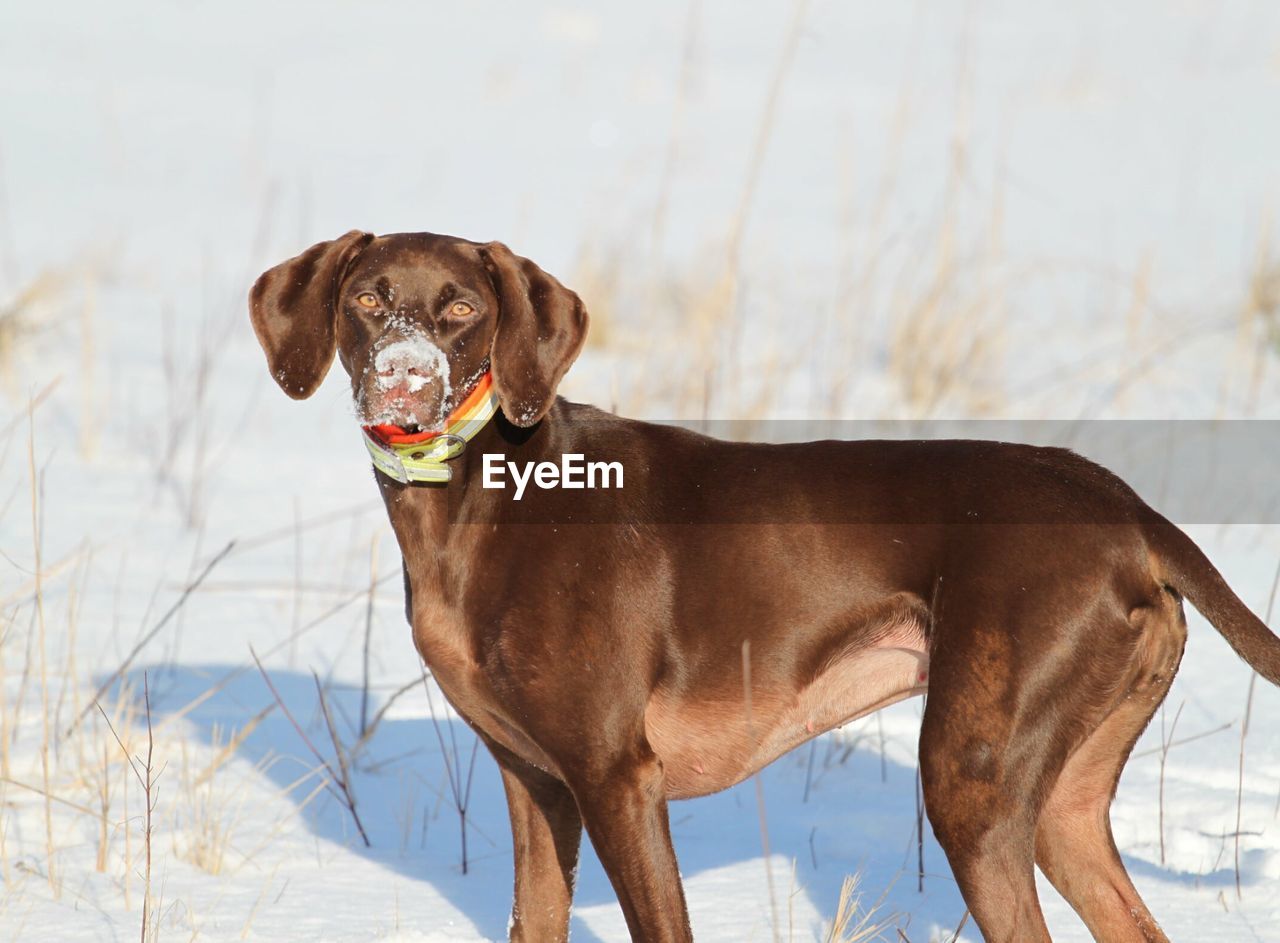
(411, 360)
(399, 369)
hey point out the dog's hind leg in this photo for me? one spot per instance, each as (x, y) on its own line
(1000, 718)
(1074, 845)
(983, 820)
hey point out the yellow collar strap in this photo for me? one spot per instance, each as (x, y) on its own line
(421, 456)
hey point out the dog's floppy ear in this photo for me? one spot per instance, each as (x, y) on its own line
(541, 329)
(292, 307)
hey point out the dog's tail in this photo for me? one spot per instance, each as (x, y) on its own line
(1189, 573)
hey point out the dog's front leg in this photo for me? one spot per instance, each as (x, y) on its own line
(624, 808)
(546, 831)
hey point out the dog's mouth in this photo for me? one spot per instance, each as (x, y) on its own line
(409, 431)
(402, 415)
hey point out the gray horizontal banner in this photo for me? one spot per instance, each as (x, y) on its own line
(1191, 471)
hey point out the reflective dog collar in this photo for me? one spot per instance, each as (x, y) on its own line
(421, 456)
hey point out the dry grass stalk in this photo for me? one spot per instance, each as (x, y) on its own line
(344, 767)
(405, 813)
(296, 608)
(299, 806)
(853, 923)
(1258, 333)
(232, 745)
(368, 636)
(149, 798)
(75, 596)
(759, 783)
(36, 402)
(684, 91)
(70, 804)
(382, 712)
(89, 393)
(128, 842)
(21, 315)
(919, 834)
(945, 339)
(853, 293)
(4, 842)
(36, 489)
(1140, 301)
(945, 336)
(1154, 751)
(1165, 743)
(253, 911)
(25, 592)
(1244, 732)
(5, 733)
(212, 816)
(339, 783)
(459, 787)
(764, 133)
(598, 277)
(960, 926)
(208, 823)
(155, 630)
(235, 673)
(103, 797)
(714, 315)
(145, 773)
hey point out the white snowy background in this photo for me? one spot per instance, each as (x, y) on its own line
(771, 211)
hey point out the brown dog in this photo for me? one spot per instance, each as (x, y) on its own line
(603, 647)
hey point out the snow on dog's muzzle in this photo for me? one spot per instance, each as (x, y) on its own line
(407, 383)
(411, 362)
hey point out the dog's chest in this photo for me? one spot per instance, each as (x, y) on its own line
(440, 637)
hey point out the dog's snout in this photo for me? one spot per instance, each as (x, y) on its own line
(414, 360)
(405, 382)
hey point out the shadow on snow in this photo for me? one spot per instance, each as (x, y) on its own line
(859, 816)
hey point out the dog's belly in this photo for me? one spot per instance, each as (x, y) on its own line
(709, 745)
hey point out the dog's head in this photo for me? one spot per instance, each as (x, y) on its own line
(416, 319)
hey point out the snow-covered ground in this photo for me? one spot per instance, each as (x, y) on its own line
(1073, 206)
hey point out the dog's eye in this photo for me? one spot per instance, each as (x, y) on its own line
(461, 309)
(367, 299)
